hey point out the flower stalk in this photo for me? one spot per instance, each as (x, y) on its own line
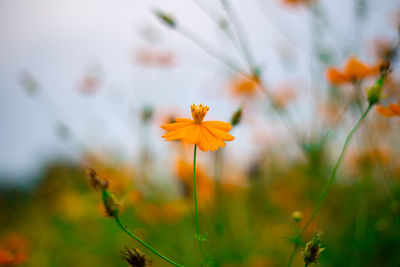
(331, 179)
(199, 237)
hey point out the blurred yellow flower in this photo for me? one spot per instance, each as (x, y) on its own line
(208, 135)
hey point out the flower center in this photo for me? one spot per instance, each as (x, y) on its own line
(199, 112)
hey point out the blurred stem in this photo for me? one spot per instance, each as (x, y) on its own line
(198, 237)
(331, 178)
(219, 22)
(239, 33)
(210, 50)
(117, 219)
(213, 53)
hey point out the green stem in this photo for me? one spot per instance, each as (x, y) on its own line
(117, 219)
(331, 179)
(198, 237)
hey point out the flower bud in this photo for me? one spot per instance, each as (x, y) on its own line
(375, 93)
(296, 216)
(166, 18)
(237, 116)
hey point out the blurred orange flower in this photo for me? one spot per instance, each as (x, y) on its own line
(298, 2)
(353, 71)
(155, 58)
(13, 249)
(243, 86)
(208, 135)
(205, 185)
(392, 110)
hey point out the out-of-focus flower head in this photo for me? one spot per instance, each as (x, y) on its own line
(364, 160)
(353, 71)
(298, 2)
(13, 250)
(135, 257)
(208, 135)
(283, 96)
(244, 86)
(313, 249)
(156, 58)
(391, 111)
(91, 81)
(205, 185)
(168, 212)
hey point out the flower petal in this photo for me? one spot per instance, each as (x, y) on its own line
(224, 126)
(183, 120)
(174, 126)
(395, 108)
(193, 136)
(384, 111)
(209, 141)
(221, 134)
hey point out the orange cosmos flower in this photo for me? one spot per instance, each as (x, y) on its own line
(392, 110)
(208, 135)
(354, 70)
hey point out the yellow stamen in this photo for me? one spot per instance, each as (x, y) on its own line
(199, 112)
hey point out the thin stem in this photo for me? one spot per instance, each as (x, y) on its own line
(239, 32)
(198, 237)
(195, 192)
(218, 22)
(117, 219)
(210, 50)
(331, 179)
(292, 255)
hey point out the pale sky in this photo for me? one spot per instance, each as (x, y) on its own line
(58, 42)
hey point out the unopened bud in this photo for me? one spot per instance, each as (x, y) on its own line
(166, 18)
(375, 93)
(237, 116)
(296, 216)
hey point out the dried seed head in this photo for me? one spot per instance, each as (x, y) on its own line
(111, 204)
(135, 257)
(313, 250)
(96, 182)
